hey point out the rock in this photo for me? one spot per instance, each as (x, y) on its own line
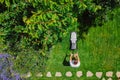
(103, 79)
(109, 78)
(58, 74)
(79, 73)
(89, 74)
(68, 74)
(29, 74)
(39, 74)
(48, 74)
(109, 74)
(99, 74)
(118, 74)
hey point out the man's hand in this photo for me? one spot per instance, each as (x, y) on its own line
(71, 54)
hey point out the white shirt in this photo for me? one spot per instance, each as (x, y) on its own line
(74, 65)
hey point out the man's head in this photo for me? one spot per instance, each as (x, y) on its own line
(75, 59)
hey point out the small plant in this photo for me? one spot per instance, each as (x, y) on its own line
(6, 71)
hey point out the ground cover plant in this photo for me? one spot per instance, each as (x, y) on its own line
(6, 71)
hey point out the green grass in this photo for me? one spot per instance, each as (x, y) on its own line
(99, 51)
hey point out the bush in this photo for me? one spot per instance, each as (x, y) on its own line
(6, 71)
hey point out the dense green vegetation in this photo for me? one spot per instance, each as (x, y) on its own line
(29, 28)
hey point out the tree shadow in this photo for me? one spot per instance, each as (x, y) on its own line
(65, 61)
(86, 19)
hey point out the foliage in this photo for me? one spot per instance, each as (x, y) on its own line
(39, 24)
(6, 71)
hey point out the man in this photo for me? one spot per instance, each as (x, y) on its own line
(74, 60)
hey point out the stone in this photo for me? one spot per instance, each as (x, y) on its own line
(29, 74)
(89, 74)
(99, 74)
(68, 74)
(109, 79)
(58, 74)
(118, 74)
(109, 74)
(79, 73)
(103, 79)
(48, 74)
(39, 74)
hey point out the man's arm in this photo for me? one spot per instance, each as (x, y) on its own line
(71, 56)
(77, 56)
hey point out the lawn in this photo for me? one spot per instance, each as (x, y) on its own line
(36, 34)
(98, 51)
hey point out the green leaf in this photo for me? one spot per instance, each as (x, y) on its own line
(24, 18)
(40, 27)
(7, 2)
(1, 1)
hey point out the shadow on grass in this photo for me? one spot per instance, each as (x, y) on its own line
(65, 61)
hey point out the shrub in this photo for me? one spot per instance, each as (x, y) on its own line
(6, 71)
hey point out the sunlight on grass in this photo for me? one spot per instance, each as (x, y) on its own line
(99, 51)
